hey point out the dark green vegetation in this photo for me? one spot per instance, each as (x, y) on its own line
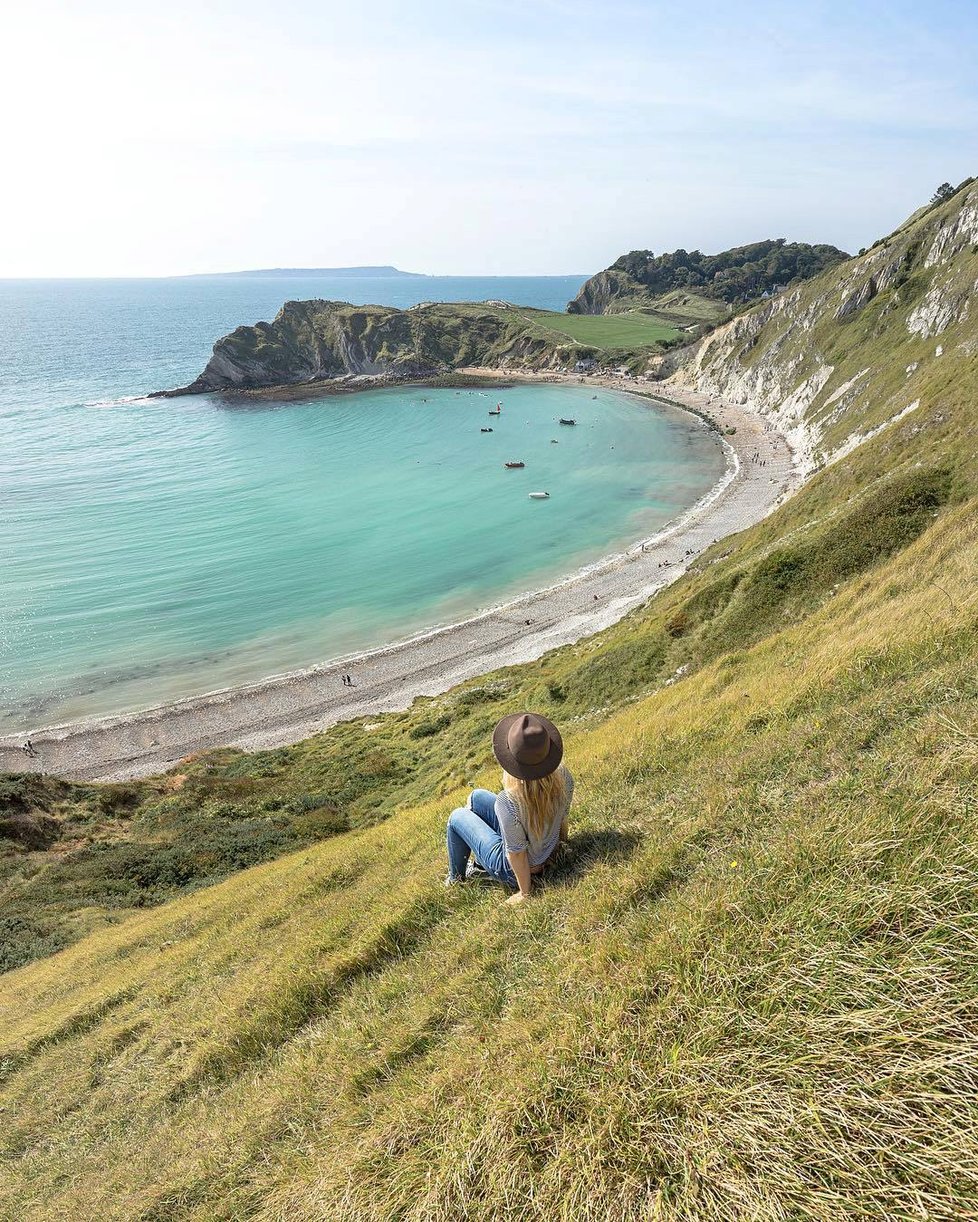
(689, 287)
(73, 857)
(738, 275)
(750, 989)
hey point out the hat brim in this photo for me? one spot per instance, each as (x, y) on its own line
(527, 772)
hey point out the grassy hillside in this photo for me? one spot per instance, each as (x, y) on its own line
(605, 332)
(750, 989)
(749, 993)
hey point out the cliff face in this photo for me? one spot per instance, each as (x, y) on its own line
(315, 341)
(608, 292)
(882, 337)
(311, 341)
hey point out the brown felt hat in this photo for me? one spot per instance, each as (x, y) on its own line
(527, 745)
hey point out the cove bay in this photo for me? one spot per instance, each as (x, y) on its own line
(236, 541)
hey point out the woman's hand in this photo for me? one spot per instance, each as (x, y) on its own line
(518, 898)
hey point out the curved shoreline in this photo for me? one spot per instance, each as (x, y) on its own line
(286, 708)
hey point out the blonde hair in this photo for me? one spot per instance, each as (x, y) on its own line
(538, 800)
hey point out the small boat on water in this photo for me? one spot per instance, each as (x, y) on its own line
(514, 466)
(539, 496)
(485, 430)
(497, 412)
(554, 441)
(564, 420)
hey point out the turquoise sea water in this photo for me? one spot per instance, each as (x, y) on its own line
(155, 549)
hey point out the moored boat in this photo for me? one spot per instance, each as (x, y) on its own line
(564, 420)
(539, 496)
(514, 466)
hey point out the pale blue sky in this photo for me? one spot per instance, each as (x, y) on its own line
(544, 136)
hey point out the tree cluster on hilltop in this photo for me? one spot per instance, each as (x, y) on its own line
(740, 274)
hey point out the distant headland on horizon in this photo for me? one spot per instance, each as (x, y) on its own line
(351, 272)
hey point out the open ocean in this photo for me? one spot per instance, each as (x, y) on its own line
(152, 549)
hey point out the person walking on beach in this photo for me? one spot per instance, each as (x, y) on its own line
(515, 834)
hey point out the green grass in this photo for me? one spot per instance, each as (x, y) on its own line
(606, 331)
(748, 992)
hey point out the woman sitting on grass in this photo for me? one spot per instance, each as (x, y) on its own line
(514, 835)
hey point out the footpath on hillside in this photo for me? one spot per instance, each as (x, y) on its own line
(287, 708)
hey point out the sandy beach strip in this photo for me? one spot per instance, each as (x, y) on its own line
(286, 708)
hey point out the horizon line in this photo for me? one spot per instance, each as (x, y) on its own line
(269, 273)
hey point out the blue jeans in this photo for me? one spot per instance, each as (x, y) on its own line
(475, 829)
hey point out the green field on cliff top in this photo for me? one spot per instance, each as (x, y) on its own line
(749, 991)
(607, 331)
(633, 331)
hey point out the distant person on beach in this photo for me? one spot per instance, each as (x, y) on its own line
(514, 835)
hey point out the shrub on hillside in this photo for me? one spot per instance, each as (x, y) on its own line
(26, 791)
(25, 938)
(431, 726)
(118, 799)
(34, 830)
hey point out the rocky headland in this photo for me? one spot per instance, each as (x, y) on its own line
(315, 342)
